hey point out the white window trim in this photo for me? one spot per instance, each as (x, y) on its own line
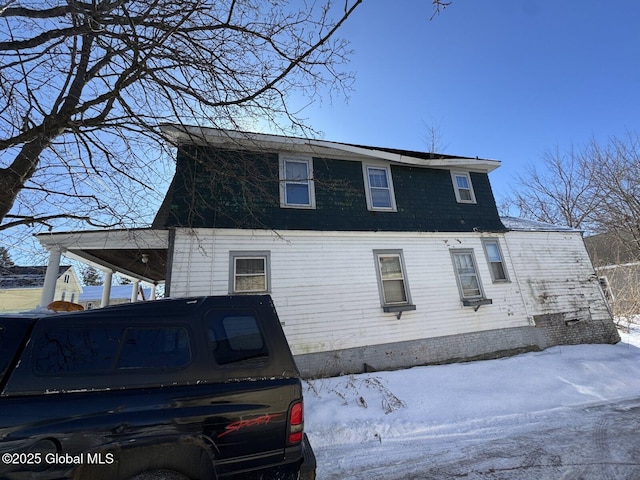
(465, 251)
(367, 186)
(282, 158)
(234, 255)
(485, 241)
(459, 199)
(407, 291)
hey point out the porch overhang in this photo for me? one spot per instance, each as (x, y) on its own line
(137, 253)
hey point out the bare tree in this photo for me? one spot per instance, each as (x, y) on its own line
(559, 191)
(614, 170)
(84, 86)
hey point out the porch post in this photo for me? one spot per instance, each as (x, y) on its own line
(152, 295)
(135, 287)
(106, 288)
(51, 276)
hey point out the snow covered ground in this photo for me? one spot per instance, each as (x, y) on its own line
(568, 412)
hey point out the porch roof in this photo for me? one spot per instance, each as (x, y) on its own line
(137, 253)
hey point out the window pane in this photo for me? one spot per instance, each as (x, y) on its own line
(246, 266)
(462, 181)
(498, 271)
(470, 287)
(162, 347)
(465, 195)
(394, 291)
(390, 267)
(234, 337)
(493, 252)
(380, 198)
(378, 178)
(296, 171)
(251, 283)
(297, 194)
(464, 263)
(77, 350)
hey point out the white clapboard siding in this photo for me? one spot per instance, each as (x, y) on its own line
(555, 271)
(324, 284)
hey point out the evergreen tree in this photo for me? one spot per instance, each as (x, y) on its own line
(5, 259)
(91, 277)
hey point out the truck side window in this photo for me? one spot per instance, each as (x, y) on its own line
(77, 350)
(235, 336)
(87, 350)
(163, 347)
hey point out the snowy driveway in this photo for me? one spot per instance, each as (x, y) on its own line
(570, 412)
(597, 442)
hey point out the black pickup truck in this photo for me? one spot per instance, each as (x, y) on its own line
(194, 388)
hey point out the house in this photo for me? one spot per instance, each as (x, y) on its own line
(375, 257)
(616, 258)
(21, 287)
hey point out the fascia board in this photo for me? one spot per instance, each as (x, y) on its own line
(106, 239)
(322, 148)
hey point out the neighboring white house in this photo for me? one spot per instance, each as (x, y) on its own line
(21, 287)
(376, 258)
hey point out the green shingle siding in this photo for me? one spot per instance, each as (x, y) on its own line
(226, 189)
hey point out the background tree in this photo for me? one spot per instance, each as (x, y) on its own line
(595, 188)
(5, 258)
(559, 191)
(614, 170)
(91, 277)
(85, 85)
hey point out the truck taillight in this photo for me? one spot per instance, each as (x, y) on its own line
(296, 423)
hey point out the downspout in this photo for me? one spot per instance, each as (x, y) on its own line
(170, 247)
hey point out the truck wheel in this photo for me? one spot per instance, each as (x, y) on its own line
(160, 475)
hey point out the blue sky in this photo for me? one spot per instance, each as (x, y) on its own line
(500, 79)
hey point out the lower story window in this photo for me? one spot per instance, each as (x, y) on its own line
(391, 278)
(467, 274)
(249, 272)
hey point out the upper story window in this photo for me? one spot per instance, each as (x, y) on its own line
(379, 188)
(66, 278)
(296, 182)
(249, 272)
(495, 259)
(463, 187)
